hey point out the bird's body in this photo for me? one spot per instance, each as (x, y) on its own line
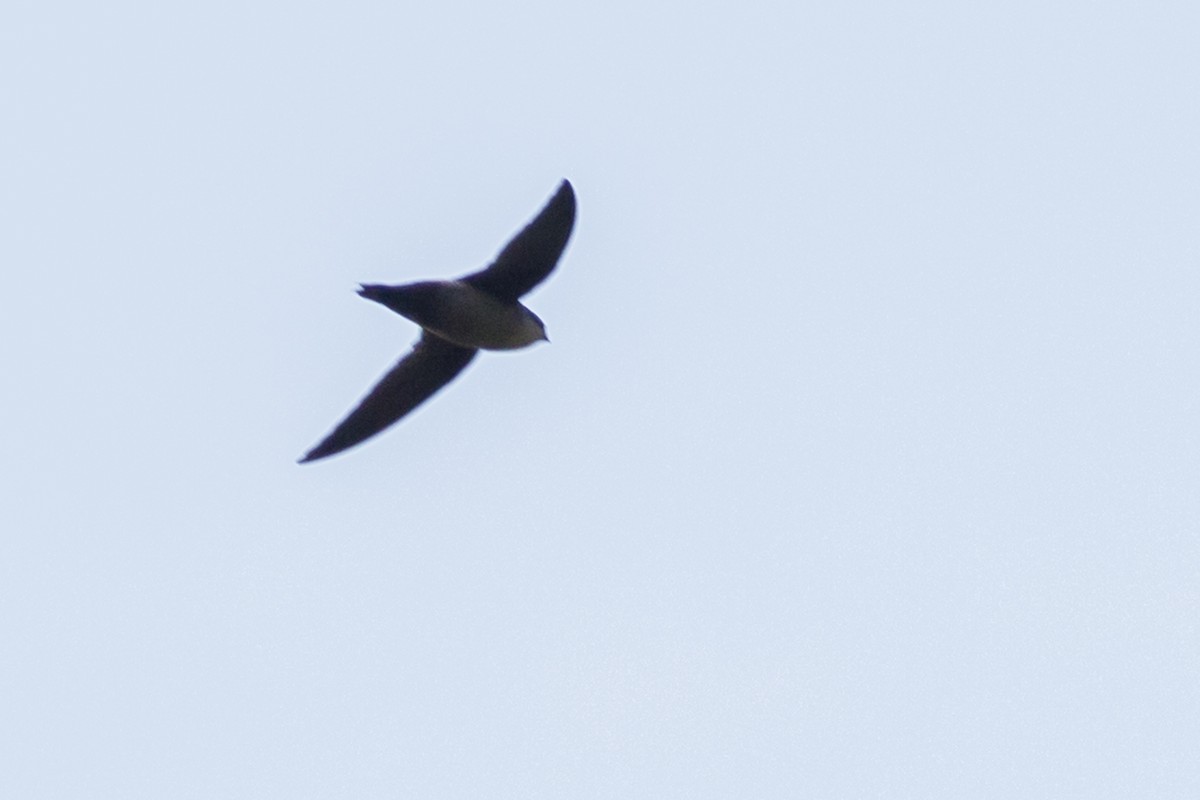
(480, 311)
(462, 314)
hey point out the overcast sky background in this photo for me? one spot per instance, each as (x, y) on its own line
(865, 461)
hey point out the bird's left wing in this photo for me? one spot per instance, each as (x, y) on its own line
(431, 364)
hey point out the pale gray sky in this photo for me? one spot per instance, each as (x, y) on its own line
(864, 463)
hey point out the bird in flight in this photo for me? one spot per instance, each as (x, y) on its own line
(480, 311)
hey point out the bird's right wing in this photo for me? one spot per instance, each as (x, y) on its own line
(431, 364)
(530, 255)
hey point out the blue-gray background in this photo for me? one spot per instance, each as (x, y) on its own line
(864, 461)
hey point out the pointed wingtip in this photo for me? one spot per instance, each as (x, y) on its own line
(560, 208)
(315, 454)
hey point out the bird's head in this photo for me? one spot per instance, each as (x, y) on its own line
(540, 327)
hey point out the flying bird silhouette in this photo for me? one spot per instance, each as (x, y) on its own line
(480, 311)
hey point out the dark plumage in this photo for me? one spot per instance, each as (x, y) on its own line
(458, 318)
